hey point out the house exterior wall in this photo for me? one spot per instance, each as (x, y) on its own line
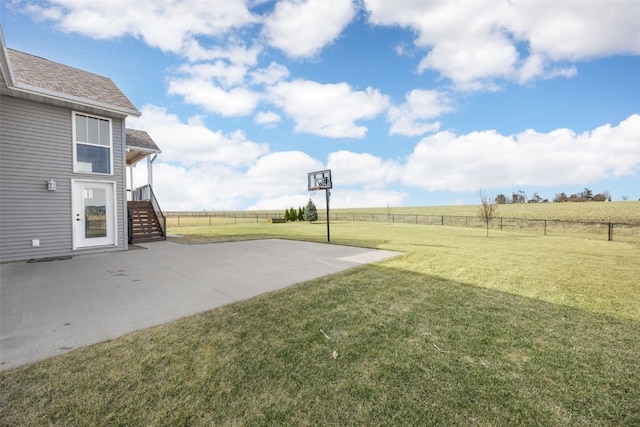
(35, 146)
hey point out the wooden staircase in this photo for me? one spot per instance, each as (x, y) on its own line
(145, 226)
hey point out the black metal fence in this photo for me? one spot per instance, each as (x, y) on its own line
(583, 229)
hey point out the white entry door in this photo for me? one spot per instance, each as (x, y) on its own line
(94, 214)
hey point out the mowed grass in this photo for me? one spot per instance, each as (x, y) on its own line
(588, 220)
(616, 212)
(459, 330)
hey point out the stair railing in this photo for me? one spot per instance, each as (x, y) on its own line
(145, 193)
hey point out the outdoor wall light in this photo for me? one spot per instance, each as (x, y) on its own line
(51, 185)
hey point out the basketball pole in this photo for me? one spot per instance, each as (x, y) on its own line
(321, 180)
(328, 193)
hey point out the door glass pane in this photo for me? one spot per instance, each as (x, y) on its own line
(95, 212)
(93, 159)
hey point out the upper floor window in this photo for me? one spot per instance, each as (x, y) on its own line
(93, 145)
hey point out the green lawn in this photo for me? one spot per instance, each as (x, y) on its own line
(460, 330)
(583, 220)
(617, 212)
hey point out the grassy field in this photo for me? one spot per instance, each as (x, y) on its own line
(621, 212)
(583, 220)
(462, 329)
(617, 212)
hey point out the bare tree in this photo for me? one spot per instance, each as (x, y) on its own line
(487, 210)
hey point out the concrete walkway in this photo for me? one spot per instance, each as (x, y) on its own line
(49, 308)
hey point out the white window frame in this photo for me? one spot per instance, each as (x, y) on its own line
(76, 142)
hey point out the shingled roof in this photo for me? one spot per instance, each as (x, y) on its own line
(141, 139)
(38, 76)
(139, 146)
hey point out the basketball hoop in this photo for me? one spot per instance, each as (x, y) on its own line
(321, 180)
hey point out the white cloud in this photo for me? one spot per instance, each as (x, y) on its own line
(571, 31)
(226, 74)
(235, 52)
(237, 101)
(412, 117)
(474, 44)
(329, 110)
(192, 142)
(362, 169)
(170, 26)
(179, 188)
(301, 28)
(204, 169)
(41, 13)
(477, 43)
(468, 62)
(281, 173)
(266, 118)
(270, 75)
(404, 125)
(279, 180)
(446, 161)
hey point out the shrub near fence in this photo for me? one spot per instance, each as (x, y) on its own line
(583, 229)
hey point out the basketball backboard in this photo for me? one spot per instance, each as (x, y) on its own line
(320, 180)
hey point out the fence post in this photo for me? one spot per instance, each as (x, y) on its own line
(545, 227)
(178, 220)
(442, 220)
(500, 223)
(610, 231)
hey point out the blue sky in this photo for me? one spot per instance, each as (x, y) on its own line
(409, 103)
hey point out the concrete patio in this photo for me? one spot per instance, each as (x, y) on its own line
(49, 308)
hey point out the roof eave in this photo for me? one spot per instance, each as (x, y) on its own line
(7, 73)
(144, 150)
(34, 90)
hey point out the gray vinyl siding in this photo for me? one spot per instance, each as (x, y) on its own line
(35, 146)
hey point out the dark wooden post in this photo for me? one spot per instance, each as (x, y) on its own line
(610, 231)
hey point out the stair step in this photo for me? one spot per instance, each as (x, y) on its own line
(146, 231)
(145, 224)
(147, 239)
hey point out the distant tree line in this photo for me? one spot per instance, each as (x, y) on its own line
(585, 196)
